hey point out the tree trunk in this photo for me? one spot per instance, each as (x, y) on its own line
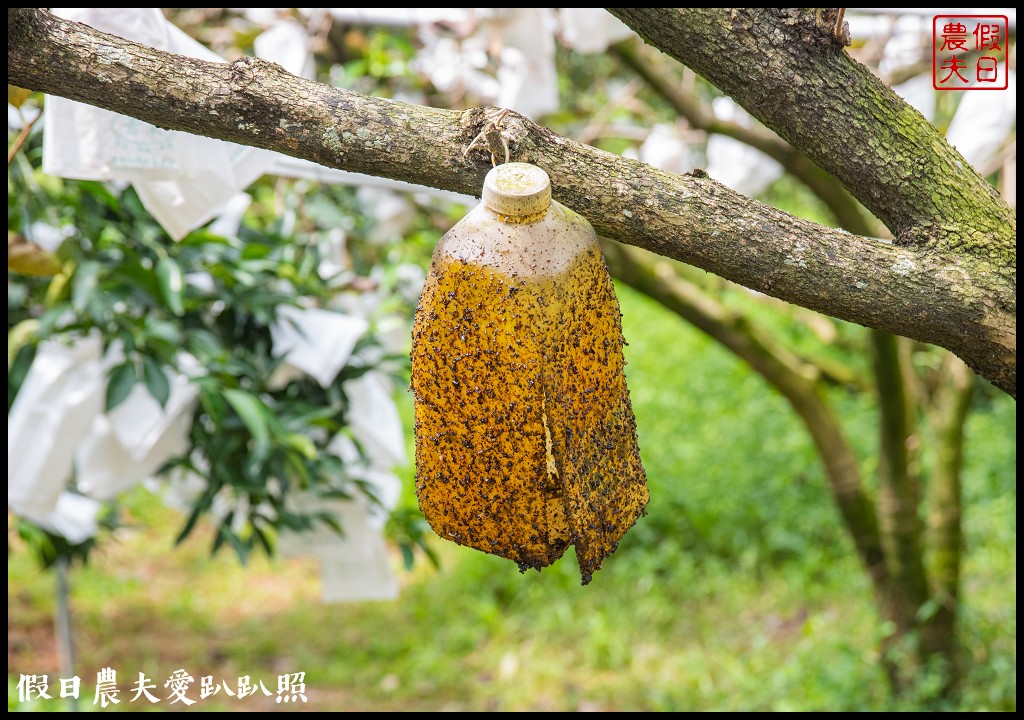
(824, 102)
(944, 518)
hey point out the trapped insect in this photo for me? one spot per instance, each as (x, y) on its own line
(525, 436)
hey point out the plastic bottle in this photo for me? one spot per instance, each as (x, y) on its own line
(525, 437)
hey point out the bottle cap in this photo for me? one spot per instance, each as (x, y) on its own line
(517, 189)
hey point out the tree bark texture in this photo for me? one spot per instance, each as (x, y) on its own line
(830, 106)
(957, 295)
(898, 488)
(847, 211)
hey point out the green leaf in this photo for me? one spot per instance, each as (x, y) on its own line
(242, 549)
(298, 468)
(20, 335)
(120, 382)
(213, 404)
(330, 521)
(162, 331)
(55, 291)
(84, 284)
(172, 284)
(17, 369)
(263, 540)
(253, 251)
(218, 540)
(431, 554)
(193, 518)
(302, 445)
(156, 380)
(253, 413)
(100, 192)
(203, 504)
(50, 318)
(408, 560)
(131, 272)
(204, 345)
(204, 237)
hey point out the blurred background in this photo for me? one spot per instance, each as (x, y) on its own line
(210, 434)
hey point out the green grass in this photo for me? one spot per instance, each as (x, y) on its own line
(738, 591)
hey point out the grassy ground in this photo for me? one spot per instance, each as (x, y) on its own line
(739, 591)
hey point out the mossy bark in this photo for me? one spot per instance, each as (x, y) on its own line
(818, 98)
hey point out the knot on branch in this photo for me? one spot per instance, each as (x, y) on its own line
(491, 134)
(820, 27)
(245, 70)
(841, 30)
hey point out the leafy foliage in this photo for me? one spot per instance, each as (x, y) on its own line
(211, 300)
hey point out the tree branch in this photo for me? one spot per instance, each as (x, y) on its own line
(830, 106)
(960, 302)
(797, 381)
(846, 210)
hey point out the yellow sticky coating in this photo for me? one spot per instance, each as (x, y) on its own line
(525, 437)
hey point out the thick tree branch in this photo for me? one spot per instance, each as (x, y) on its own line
(846, 210)
(958, 301)
(826, 370)
(822, 101)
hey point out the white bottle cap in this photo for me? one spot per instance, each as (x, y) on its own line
(517, 189)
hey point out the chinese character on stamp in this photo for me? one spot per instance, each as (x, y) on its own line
(969, 52)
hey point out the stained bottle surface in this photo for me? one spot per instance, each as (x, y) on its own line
(525, 436)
